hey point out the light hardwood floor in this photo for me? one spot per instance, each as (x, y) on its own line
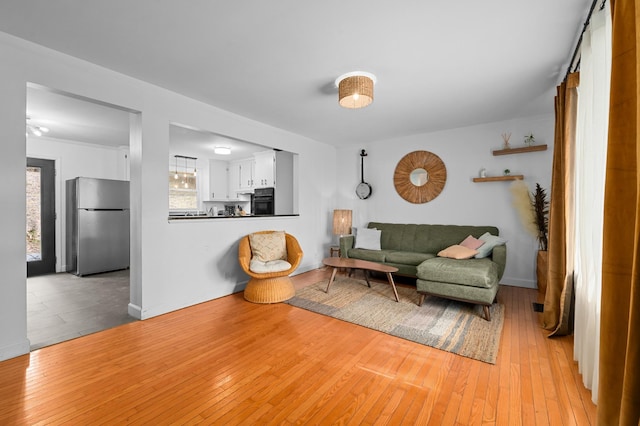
(232, 362)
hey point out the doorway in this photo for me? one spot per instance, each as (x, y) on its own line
(41, 217)
(87, 138)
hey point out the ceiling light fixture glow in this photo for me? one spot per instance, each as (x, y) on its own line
(355, 89)
(222, 150)
(34, 129)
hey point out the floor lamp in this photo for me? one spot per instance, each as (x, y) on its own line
(341, 226)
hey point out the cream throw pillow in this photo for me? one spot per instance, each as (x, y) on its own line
(268, 247)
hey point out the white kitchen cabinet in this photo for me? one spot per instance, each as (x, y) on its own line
(241, 176)
(247, 174)
(265, 169)
(218, 180)
(234, 178)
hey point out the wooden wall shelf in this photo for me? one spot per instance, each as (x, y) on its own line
(521, 150)
(498, 178)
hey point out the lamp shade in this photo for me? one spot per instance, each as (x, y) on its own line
(341, 222)
(355, 90)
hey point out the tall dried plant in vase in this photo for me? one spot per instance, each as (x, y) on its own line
(533, 209)
(540, 206)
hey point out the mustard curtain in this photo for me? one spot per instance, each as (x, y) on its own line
(557, 315)
(619, 389)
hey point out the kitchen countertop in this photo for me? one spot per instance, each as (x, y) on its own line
(200, 217)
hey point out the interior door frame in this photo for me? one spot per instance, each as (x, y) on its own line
(47, 264)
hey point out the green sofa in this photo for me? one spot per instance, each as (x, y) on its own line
(413, 249)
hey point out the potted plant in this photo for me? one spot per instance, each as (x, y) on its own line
(540, 206)
(533, 209)
(529, 139)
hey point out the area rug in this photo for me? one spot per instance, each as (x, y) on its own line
(444, 324)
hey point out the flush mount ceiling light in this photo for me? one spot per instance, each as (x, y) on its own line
(355, 89)
(35, 130)
(222, 150)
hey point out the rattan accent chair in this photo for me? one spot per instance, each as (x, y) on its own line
(269, 287)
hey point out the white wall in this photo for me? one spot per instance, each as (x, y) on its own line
(464, 152)
(73, 159)
(173, 265)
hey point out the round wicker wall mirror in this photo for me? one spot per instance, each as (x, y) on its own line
(420, 177)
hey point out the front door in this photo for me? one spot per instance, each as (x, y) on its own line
(41, 217)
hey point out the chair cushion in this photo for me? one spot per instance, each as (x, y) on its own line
(260, 267)
(471, 272)
(268, 246)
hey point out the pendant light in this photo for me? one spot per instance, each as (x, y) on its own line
(184, 173)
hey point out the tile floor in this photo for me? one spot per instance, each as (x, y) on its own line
(63, 306)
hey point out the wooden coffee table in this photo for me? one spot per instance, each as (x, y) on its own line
(364, 265)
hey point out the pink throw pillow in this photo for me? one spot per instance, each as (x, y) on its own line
(472, 243)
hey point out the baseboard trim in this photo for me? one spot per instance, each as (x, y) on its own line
(135, 311)
(15, 350)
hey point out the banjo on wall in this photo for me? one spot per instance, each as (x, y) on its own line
(363, 190)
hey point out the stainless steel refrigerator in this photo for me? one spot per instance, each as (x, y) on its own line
(97, 225)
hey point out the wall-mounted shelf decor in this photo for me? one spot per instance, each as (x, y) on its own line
(521, 150)
(498, 178)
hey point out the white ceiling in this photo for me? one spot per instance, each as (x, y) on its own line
(439, 65)
(76, 119)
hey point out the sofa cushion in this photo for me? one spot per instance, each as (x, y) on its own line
(472, 272)
(424, 238)
(459, 292)
(407, 257)
(370, 255)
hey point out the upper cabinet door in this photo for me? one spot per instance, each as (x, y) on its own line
(247, 179)
(265, 166)
(219, 179)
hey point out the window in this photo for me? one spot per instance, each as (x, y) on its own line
(183, 193)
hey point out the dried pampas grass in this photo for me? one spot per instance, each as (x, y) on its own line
(521, 200)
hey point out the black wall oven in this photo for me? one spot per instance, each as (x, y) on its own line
(263, 202)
